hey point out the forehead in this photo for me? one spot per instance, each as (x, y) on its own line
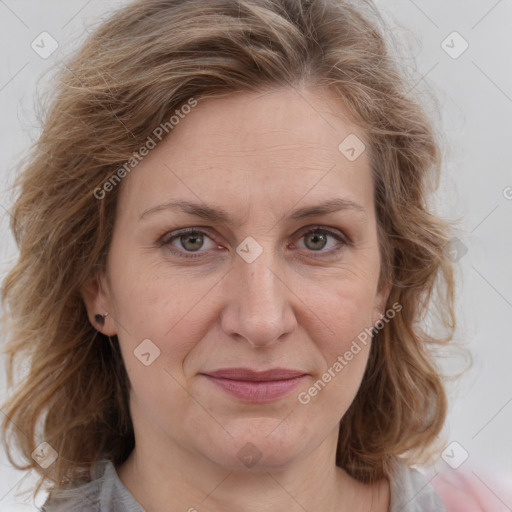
(271, 121)
(270, 147)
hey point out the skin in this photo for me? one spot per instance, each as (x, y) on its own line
(299, 305)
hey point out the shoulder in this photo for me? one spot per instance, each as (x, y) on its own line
(412, 492)
(103, 493)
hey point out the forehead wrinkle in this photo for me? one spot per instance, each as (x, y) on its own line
(271, 148)
(308, 162)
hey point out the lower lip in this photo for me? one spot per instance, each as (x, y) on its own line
(257, 391)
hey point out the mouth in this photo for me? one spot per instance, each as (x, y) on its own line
(256, 386)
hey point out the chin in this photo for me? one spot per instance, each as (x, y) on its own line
(259, 444)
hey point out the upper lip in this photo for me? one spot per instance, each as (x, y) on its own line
(253, 375)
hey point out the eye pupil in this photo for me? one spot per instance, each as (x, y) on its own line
(315, 238)
(196, 240)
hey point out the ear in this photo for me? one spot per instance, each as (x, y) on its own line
(95, 293)
(379, 305)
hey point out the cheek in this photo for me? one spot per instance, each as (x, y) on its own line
(152, 299)
(346, 306)
(344, 349)
(345, 309)
(171, 309)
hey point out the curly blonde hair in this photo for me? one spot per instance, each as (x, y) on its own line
(136, 69)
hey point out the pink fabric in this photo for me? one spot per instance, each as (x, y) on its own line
(467, 492)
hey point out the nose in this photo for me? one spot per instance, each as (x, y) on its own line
(259, 309)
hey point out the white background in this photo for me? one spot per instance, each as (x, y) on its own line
(475, 96)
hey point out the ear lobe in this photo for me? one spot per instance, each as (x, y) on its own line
(97, 302)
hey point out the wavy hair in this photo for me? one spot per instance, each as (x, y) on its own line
(130, 75)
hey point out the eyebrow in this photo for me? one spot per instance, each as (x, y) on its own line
(221, 216)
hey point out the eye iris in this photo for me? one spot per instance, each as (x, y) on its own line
(316, 238)
(196, 241)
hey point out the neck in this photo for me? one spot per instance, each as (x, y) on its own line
(174, 479)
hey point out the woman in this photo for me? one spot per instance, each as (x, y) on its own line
(225, 253)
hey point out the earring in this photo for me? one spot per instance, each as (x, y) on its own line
(100, 319)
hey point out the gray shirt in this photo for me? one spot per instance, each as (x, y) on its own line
(410, 492)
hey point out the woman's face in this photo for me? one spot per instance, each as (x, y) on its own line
(253, 287)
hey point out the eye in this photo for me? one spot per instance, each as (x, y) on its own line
(317, 239)
(195, 243)
(187, 241)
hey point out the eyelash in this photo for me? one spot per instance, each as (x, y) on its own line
(166, 240)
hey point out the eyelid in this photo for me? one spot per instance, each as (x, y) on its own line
(336, 233)
(166, 237)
